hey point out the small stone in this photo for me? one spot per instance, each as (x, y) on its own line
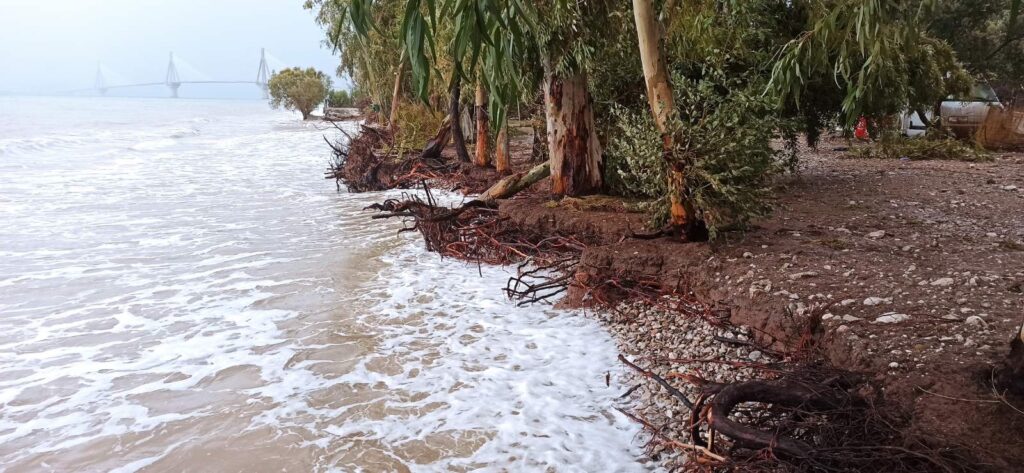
(847, 302)
(1009, 188)
(991, 235)
(876, 234)
(747, 254)
(754, 355)
(801, 275)
(850, 318)
(975, 321)
(891, 318)
(877, 300)
(942, 282)
(842, 329)
(894, 365)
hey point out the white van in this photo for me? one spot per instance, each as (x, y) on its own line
(963, 116)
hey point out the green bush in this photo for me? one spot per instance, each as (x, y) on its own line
(724, 135)
(635, 166)
(340, 99)
(416, 124)
(892, 145)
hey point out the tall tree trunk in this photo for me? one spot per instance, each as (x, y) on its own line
(573, 147)
(397, 94)
(482, 159)
(659, 95)
(457, 137)
(502, 159)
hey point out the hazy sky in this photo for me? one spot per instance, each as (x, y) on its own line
(48, 46)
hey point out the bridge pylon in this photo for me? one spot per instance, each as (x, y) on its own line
(101, 83)
(172, 80)
(263, 74)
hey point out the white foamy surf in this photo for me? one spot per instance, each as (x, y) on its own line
(179, 290)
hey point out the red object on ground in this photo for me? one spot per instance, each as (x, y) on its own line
(861, 132)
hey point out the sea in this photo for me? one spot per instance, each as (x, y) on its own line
(182, 290)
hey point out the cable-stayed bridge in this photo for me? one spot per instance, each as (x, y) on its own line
(172, 80)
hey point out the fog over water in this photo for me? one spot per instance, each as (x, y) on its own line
(51, 46)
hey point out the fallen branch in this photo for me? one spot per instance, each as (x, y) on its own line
(516, 183)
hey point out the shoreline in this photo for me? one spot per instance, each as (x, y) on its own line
(861, 266)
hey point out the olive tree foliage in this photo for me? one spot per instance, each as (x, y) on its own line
(299, 89)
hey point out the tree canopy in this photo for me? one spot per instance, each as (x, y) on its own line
(754, 70)
(299, 89)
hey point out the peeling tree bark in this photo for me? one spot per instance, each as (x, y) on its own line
(573, 147)
(502, 159)
(457, 137)
(481, 158)
(659, 94)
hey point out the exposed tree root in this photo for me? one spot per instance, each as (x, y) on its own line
(1010, 376)
(368, 162)
(809, 418)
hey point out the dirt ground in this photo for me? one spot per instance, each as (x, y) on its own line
(911, 272)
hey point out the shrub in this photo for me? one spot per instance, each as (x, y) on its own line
(635, 166)
(417, 124)
(340, 99)
(891, 145)
(724, 135)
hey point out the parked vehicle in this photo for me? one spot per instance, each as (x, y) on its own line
(963, 115)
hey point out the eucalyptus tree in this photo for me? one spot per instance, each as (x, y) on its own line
(988, 37)
(370, 59)
(500, 43)
(878, 53)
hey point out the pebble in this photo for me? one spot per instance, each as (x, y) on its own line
(975, 321)
(876, 234)
(891, 318)
(877, 300)
(1010, 188)
(894, 365)
(801, 275)
(754, 355)
(942, 282)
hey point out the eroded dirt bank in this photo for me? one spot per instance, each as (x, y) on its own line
(911, 272)
(908, 274)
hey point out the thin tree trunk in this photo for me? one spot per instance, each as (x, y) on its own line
(468, 123)
(502, 159)
(573, 147)
(539, 151)
(457, 137)
(659, 95)
(482, 159)
(397, 94)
